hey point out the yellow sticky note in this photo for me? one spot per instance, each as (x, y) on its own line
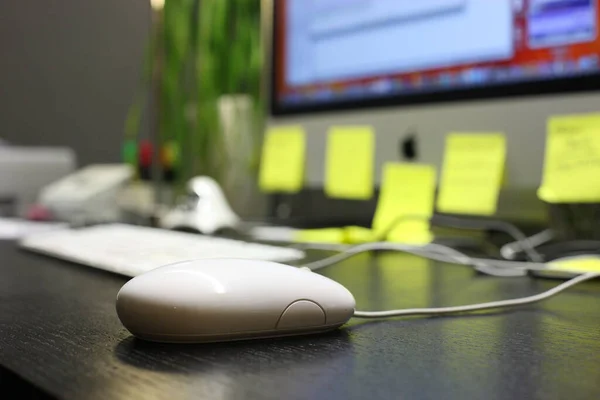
(572, 160)
(345, 235)
(359, 234)
(581, 264)
(411, 232)
(472, 173)
(407, 191)
(349, 164)
(282, 164)
(567, 268)
(324, 235)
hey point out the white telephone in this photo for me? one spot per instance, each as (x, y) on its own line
(89, 195)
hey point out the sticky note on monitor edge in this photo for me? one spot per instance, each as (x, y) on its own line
(572, 160)
(283, 160)
(349, 162)
(407, 190)
(473, 171)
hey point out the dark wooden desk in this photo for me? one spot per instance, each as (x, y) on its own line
(59, 332)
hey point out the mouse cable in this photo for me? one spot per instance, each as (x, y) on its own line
(470, 224)
(479, 307)
(552, 251)
(489, 266)
(437, 252)
(432, 250)
(488, 224)
(510, 250)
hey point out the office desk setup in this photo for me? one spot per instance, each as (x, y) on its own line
(398, 113)
(60, 338)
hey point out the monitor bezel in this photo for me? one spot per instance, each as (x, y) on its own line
(585, 83)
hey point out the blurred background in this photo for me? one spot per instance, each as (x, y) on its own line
(70, 71)
(177, 89)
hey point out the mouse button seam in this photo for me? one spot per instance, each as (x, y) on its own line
(296, 301)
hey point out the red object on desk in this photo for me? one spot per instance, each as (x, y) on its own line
(39, 213)
(146, 153)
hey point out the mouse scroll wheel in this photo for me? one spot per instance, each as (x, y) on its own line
(301, 314)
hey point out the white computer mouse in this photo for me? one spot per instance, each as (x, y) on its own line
(214, 300)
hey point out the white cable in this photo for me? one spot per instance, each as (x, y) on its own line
(478, 307)
(435, 252)
(509, 250)
(501, 272)
(446, 254)
(439, 252)
(508, 228)
(320, 246)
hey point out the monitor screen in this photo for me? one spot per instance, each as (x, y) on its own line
(337, 54)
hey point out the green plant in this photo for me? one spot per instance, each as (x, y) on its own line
(201, 50)
(229, 61)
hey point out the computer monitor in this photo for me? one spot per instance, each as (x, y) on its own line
(425, 68)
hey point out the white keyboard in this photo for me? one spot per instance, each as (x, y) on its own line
(132, 250)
